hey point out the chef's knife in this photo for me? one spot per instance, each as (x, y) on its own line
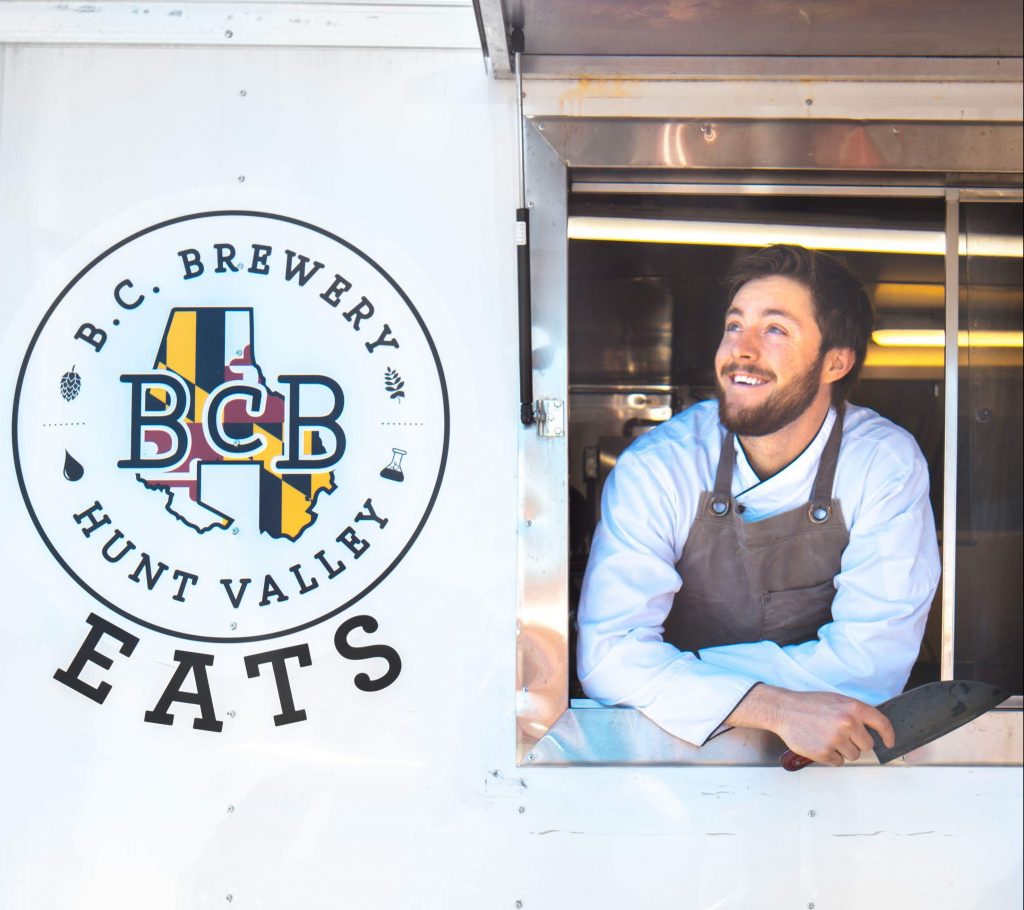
(922, 715)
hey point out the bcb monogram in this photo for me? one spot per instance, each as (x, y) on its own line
(163, 412)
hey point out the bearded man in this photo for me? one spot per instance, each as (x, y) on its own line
(767, 561)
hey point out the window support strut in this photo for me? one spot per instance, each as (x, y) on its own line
(526, 412)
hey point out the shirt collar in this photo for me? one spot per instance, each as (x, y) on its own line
(798, 472)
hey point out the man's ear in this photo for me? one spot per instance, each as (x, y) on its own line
(838, 362)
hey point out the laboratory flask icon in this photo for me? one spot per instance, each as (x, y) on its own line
(393, 471)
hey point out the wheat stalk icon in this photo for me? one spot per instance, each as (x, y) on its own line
(394, 383)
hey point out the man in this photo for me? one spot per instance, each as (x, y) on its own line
(767, 561)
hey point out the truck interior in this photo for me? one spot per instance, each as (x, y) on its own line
(646, 264)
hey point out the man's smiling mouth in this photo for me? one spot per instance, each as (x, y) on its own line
(747, 379)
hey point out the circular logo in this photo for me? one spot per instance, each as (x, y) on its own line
(230, 426)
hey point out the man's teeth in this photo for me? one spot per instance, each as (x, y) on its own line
(746, 380)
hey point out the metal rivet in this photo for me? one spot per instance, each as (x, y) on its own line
(719, 507)
(234, 625)
(241, 178)
(526, 688)
(231, 713)
(809, 101)
(229, 897)
(528, 522)
(810, 906)
(231, 808)
(529, 757)
(522, 809)
(811, 813)
(243, 93)
(229, 34)
(519, 905)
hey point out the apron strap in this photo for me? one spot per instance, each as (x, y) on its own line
(821, 494)
(819, 508)
(721, 497)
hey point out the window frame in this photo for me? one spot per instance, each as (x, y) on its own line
(550, 730)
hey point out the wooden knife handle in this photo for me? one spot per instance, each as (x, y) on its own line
(793, 762)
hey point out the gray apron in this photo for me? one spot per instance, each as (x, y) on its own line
(768, 580)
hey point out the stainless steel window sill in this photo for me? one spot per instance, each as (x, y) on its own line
(591, 734)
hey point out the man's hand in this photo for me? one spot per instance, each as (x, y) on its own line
(824, 727)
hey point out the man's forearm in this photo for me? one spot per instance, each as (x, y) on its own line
(822, 726)
(758, 709)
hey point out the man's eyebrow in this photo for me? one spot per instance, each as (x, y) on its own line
(773, 313)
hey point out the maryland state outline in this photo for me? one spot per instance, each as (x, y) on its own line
(206, 348)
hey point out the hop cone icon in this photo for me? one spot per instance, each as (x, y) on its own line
(70, 385)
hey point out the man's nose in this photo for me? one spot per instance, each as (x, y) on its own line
(743, 346)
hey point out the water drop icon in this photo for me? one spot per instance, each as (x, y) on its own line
(72, 469)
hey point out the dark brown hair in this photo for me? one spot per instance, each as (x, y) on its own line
(841, 305)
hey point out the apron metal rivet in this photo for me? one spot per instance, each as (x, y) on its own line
(719, 507)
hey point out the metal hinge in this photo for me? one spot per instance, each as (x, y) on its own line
(550, 417)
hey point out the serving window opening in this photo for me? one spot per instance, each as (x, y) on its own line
(646, 301)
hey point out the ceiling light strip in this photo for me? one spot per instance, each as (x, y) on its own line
(936, 338)
(816, 237)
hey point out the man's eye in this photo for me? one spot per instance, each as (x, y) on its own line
(776, 330)
(732, 326)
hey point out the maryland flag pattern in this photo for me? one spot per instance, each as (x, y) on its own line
(207, 347)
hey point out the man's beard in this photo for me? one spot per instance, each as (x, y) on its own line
(778, 410)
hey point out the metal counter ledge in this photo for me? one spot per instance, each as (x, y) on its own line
(589, 733)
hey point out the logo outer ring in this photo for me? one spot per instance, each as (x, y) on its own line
(215, 639)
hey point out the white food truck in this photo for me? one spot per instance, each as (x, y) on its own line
(323, 326)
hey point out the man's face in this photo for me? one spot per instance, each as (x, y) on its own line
(768, 367)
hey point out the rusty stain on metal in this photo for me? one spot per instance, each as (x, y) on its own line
(582, 90)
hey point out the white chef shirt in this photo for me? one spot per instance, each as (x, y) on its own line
(888, 576)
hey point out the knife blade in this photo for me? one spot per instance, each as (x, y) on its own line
(922, 715)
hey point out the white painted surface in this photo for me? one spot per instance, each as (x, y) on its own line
(408, 797)
(281, 23)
